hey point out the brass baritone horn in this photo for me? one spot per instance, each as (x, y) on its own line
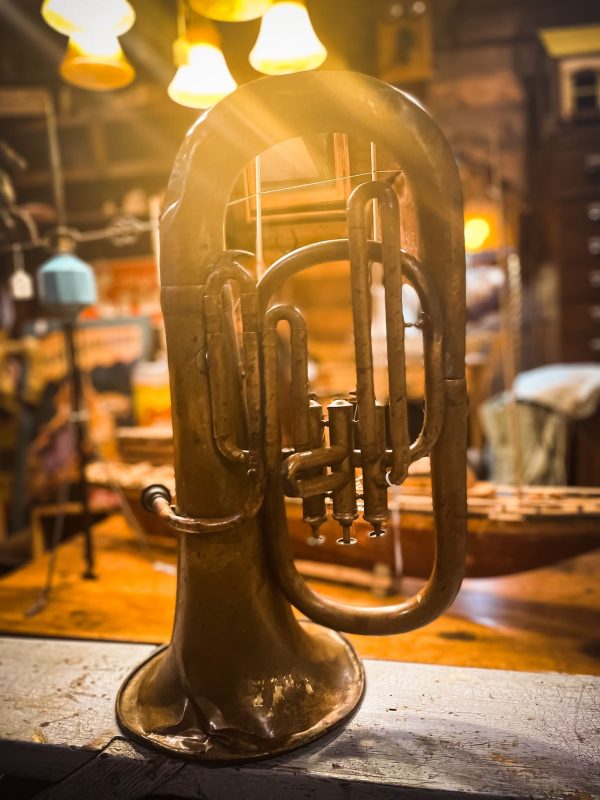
(242, 678)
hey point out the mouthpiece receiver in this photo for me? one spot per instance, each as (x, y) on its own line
(154, 496)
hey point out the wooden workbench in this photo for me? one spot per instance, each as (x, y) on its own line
(544, 620)
(422, 732)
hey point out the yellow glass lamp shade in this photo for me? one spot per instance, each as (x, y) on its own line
(95, 61)
(80, 16)
(230, 10)
(204, 79)
(286, 41)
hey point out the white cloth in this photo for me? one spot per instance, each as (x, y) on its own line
(543, 438)
(569, 389)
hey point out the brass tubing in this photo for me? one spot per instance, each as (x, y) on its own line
(371, 454)
(252, 382)
(307, 459)
(392, 276)
(448, 569)
(389, 212)
(324, 457)
(192, 230)
(227, 270)
(361, 309)
(306, 413)
(299, 370)
(314, 511)
(177, 522)
(432, 323)
(377, 512)
(222, 426)
(446, 409)
(272, 416)
(306, 487)
(228, 301)
(296, 463)
(340, 413)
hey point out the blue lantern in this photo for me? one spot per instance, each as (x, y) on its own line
(66, 285)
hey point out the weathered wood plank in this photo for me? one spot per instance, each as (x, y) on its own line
(121, 771)
(422, 732)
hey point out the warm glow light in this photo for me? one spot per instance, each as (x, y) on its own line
(230, 10)
(287, 41)
(80, 16)
(477, 231)
(204, 79)
(95, 60)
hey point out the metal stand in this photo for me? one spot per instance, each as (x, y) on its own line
(79, 417)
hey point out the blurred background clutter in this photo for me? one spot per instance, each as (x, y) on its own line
(93, 109)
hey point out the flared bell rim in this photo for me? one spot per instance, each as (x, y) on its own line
(339, 714)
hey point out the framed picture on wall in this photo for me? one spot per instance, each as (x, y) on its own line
(404, 44)
(579, 87)
(302, 178)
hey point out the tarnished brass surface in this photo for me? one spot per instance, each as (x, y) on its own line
(241, 677)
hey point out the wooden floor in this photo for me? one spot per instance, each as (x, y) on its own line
(543, 620)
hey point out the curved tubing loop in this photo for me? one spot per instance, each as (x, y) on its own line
(305, 456)
(446, 576)
(432, 320)
(299, 366)
(226, 270)
(373, 460)
(199, 525)
(250, 120)
(435, 597)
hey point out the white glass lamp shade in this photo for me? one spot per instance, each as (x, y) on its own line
(287, 41)
(95, 60)
(80, 16)
(204, 79)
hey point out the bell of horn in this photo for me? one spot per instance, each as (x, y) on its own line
(242, 677)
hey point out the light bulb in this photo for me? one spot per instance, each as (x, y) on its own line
(95, 60)
(477, 231)
(204, 79)
(80, 16)
(286, 41)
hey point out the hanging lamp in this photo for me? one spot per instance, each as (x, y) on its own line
(230, 10)
(203, 77)
(482, 224)
(79, 16)
(287, 41)
(95, 60)
(66, 284)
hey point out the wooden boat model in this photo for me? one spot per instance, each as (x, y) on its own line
(508, 531)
